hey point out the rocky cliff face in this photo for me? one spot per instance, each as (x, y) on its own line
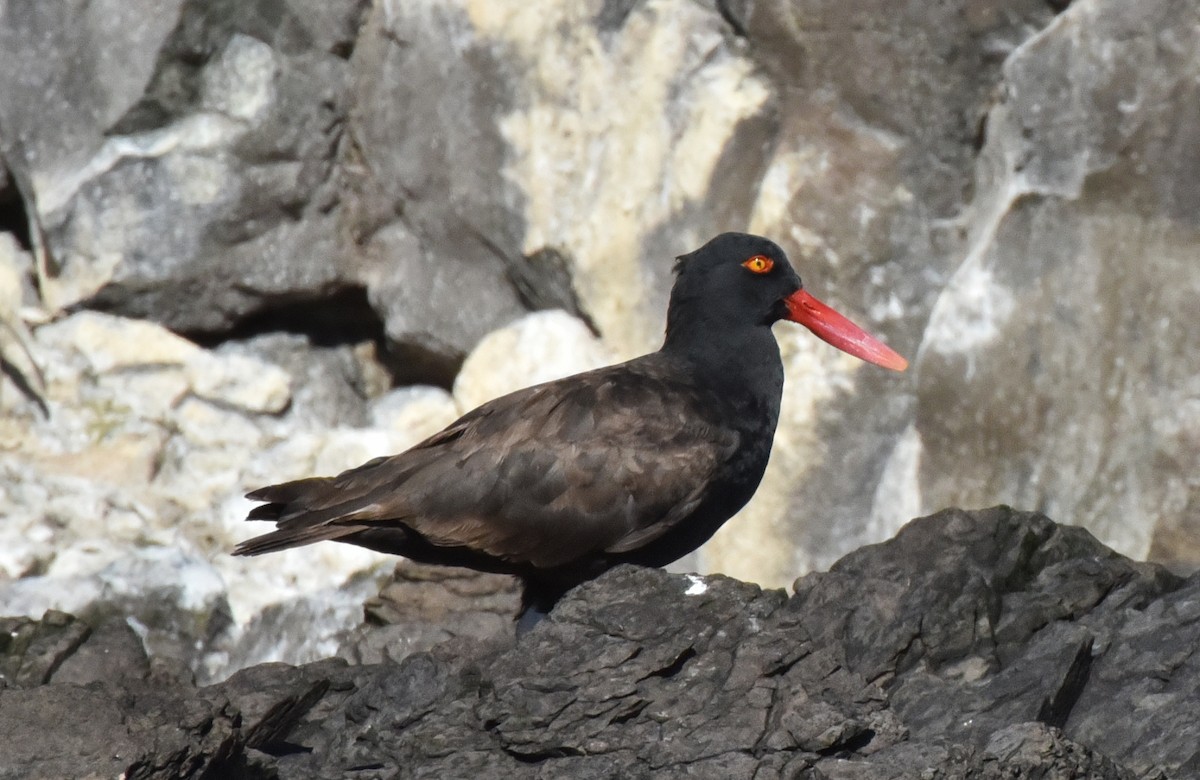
(245, 242)
(993, 644)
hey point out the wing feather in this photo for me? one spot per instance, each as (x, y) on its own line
(604, 461)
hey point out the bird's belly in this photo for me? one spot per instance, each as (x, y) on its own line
(724, 499)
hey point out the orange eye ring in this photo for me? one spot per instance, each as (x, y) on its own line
(759, 264)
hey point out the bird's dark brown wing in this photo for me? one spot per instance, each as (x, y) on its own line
(600, 462)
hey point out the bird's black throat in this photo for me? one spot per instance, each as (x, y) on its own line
(741, 367)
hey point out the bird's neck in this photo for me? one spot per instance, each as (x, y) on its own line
(742, 366)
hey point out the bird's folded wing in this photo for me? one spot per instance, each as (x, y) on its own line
(543, 476)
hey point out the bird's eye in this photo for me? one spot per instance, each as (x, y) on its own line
(759, 264)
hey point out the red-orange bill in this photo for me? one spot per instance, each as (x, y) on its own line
(835, 329)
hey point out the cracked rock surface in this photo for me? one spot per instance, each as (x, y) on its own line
(989, 644)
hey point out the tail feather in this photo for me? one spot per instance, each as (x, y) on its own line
(305, 511)
(266, 512)
(287, 492)
(286, 538)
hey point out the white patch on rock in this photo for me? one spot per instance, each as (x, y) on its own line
(241, 82)
(191, 584)
(11, 256)
(157, 392)
(898, 493)
(970, 312)
(973, 308)
(201, 132)
(697, 585)
(258, 583)
(413, 413)
(65, 524)
(297, 630)
(111, 343)
(198, 179)
(193, 581)
(292, 454)
(787, 174)
(345, 448)
(240, 381)
(208, 426)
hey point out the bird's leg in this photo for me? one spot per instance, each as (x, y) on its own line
(537, 599)
(530, 616)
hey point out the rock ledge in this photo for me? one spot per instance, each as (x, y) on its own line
(982, 644)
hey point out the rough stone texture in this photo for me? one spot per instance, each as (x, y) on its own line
(1077, 289)
(334, 200)
(424, 606)
(992, 644)
(869, 168)
(124, 497)
(184, 171)
(426, 146)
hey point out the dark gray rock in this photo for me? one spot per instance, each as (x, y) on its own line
(986, 644)
(32, 650)
(143, 731)
(113, 653)
(197, 177)
(1035, 750)
(184, 169)
(1016, 630)
(429, 204)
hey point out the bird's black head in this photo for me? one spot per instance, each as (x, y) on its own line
(735, 281)
(738, 285)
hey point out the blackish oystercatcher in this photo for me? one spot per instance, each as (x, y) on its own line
(639, 462)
